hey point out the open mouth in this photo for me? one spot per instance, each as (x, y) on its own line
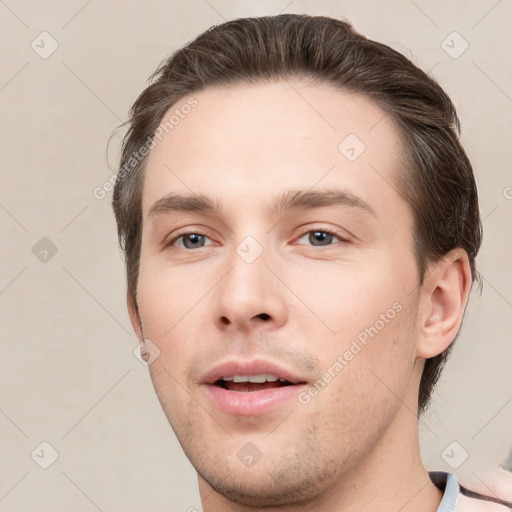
(251, 388)
(251, 383)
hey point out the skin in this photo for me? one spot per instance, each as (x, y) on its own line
(355, 445)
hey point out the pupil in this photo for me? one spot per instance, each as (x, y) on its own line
(194, 238)
(320, 236)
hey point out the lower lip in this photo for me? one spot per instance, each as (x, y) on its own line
(251, 403)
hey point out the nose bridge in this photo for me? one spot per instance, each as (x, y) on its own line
(248, 291)
(247, 279)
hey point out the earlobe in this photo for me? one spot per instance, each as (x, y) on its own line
(444, 298)
(133, 311)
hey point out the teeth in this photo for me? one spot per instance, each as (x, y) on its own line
(259, 379)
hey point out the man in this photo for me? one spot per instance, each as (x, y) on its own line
(300, 225)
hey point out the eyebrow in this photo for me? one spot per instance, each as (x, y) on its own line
(287, 201)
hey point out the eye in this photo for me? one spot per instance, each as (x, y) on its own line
(189, 240)
(321, 237)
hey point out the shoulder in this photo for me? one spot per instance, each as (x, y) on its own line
(472, 504)
(489, 491)
(459, 498)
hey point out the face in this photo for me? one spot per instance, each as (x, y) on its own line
(286, 264)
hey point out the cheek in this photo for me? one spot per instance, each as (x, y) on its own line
(175, 306)
(367, 378)
(348, 297)
(182, 408)
(371, 314)
(167, 296)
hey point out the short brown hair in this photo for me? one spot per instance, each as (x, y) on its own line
(438, 183)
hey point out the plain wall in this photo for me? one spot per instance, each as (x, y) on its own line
(68, 373)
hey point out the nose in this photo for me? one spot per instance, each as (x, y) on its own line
(250, 296)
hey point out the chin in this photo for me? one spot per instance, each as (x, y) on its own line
(261, 489)
(290, 478)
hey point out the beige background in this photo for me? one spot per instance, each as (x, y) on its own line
(68, 374)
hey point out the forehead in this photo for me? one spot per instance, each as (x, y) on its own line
(254, 141)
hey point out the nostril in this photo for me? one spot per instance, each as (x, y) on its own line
(264, 316)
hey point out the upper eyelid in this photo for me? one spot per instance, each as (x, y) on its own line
(179, 233)
(325, 230)
(190, 231)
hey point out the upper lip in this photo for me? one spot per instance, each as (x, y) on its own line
(251, 367)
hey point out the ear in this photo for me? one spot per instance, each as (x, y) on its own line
(445, 292)
(133, 311)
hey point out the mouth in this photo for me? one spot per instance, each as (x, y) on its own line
(251, 383)
(251, 388)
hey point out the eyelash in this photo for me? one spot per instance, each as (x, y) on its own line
(180, 233)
